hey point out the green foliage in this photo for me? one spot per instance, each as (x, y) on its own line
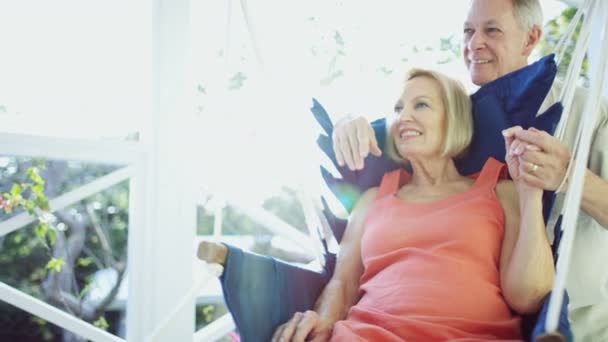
(25, 254)
(30, 196)
(54, 265)
(554, 30)
(285, 205)
(101, 323)
(237, 81)
(206, 314)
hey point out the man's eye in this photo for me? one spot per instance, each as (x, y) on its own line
(468, 31)
(492, 30)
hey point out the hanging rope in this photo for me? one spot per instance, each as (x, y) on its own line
(596, 12)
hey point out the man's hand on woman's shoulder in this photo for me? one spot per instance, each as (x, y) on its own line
(353, 140)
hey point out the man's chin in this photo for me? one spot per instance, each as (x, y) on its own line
(480, 79)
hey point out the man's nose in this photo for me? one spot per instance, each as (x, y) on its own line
(476, 41)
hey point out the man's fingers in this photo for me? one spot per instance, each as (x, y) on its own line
(374, 143)
(531, 147)
(338, 153)
(357, 161)
(363, 139)
(535, 157)
(342, 150)
(532, 180)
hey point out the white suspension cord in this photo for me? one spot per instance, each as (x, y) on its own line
(560, 48)
(570, 84)
(574, 194)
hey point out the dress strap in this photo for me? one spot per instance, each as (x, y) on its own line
(491, 173)
(392, 181)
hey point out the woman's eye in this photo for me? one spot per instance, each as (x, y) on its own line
(420, 105)
(398, 109)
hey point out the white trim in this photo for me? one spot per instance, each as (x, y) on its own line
(99, 151)
(275, 225)
(54, 315)
(69, 198)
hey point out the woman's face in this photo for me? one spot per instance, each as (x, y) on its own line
(419, 128)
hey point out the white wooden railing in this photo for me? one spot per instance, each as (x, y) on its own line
(132, 157)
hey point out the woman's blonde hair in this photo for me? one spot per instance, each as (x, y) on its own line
(459, 119)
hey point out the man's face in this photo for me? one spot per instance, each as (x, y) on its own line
(494, 43)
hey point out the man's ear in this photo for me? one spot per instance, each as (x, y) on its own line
(532, 38)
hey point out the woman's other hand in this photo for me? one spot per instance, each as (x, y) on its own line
(303, 326)
(522, 172)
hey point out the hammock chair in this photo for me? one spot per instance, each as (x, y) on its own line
(262, 292)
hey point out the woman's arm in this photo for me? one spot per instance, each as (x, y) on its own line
(526, 261)
(342, 291)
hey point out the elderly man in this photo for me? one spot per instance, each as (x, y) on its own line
(499, 36)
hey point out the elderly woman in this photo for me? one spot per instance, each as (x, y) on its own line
(431, 254)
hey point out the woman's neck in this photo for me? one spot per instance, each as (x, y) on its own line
(432, 172)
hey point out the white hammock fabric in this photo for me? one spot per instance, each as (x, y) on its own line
(595, 12)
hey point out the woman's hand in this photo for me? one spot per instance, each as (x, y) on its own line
(306, 326)
(545, 158)
(522, 171)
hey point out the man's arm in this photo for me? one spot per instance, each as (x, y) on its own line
(551, 158)
(353, 140)
(595, 198)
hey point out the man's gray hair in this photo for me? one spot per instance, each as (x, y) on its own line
(528, 13)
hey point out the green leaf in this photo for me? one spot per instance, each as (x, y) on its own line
(42, 202)
(54, 265)
(338, 38)
(32, 173)
(101, 323)
(84, 261)
(237, 81)
(52, 236)
(29, 206)
(18, 238)
(16, 190)
(84, 291)
(38, 189)
(40, 230)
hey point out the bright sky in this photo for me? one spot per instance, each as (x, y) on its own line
(82, 68)
(265, 134)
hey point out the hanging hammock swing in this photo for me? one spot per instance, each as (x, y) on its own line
(262, 292)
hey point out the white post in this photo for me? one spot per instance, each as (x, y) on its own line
(163, 216)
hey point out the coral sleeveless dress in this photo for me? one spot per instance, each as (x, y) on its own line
(431, 270)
